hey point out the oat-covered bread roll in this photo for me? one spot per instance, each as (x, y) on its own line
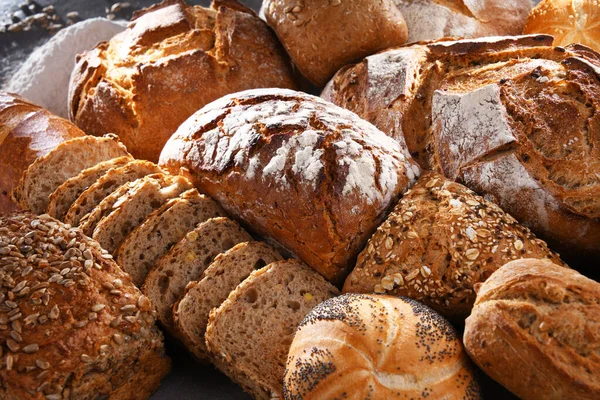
(322, 36)
(74, 326)
(377, 347)
(171, 61)
(535, 329)
(310, 175)
(439, 242)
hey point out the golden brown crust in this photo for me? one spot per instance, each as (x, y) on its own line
(541, 321)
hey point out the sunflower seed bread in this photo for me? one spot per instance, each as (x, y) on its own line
(249, 335)
(227, 271)
(162, 229)
(75, 325)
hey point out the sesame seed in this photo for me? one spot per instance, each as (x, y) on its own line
(518, 245)
(98, 307)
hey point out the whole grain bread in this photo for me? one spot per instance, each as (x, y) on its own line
(227, 271)
(186, 261)
(65, 195)
(249, 335)
(162, 229)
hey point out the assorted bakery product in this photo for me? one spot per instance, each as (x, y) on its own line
(535, 329)
(172, 60)
(438, 244)
(569, 21)
(359, 346)
(74, 325)
(249, 335)
(363, 27)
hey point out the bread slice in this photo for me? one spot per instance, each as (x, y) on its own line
(190, 313)
(132, 209)
(162, 230)
(105, 185)
(66, 194)
(186, 262)
(67, 160)
(248, 337)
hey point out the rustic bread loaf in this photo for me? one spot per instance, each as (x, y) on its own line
(66, 194)
(365, 27)
(107, 184)
(512, 118)
(535, 329)
(438, 244)
(249, 335)
(27, 132)
(227, 271)
(294, 168)
(377, 347)
(171, 61)
(186, 261)
(74, 326)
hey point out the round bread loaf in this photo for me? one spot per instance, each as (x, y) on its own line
(362, 27)
(73, 324)
(377, 347)
(171, 61)
(535, 328)
(27, 132)
(440, 241)
(569, 21)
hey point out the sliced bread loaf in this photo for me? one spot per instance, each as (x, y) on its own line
(105, 185)
(133, 208)
(67, 160)
(190, 313)
(186, 262)
(163, 229)
(66, 194)
(248, 337)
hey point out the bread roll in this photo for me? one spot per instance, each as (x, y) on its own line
(377, 347)
(27, 132)
(171, 61)
(438, 244)
(294, 168)
(535, 329)
(569, 21)
(73, 324)
(362, 27)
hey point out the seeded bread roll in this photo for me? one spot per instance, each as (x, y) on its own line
(65, 195)
(171, 61)
(186, 261)
(75, 325)
(535, 328)
(438, 244)
(105, 185)
(67, 160)
(249, 335)
(227, 271)
(162, 229)
(296, 169)
(377, 347)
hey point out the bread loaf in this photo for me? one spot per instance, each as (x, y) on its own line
(171, 61)
(377, 347)
(535, 328)
(512, 118)
(74, 326)
(27, 132)
(294, 168)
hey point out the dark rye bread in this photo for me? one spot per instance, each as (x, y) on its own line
(131, 210)
(227, 271)
(186, 261)
(162, 229)
(65, 195)
(67, 160)
(106, 185)
(249, 335)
